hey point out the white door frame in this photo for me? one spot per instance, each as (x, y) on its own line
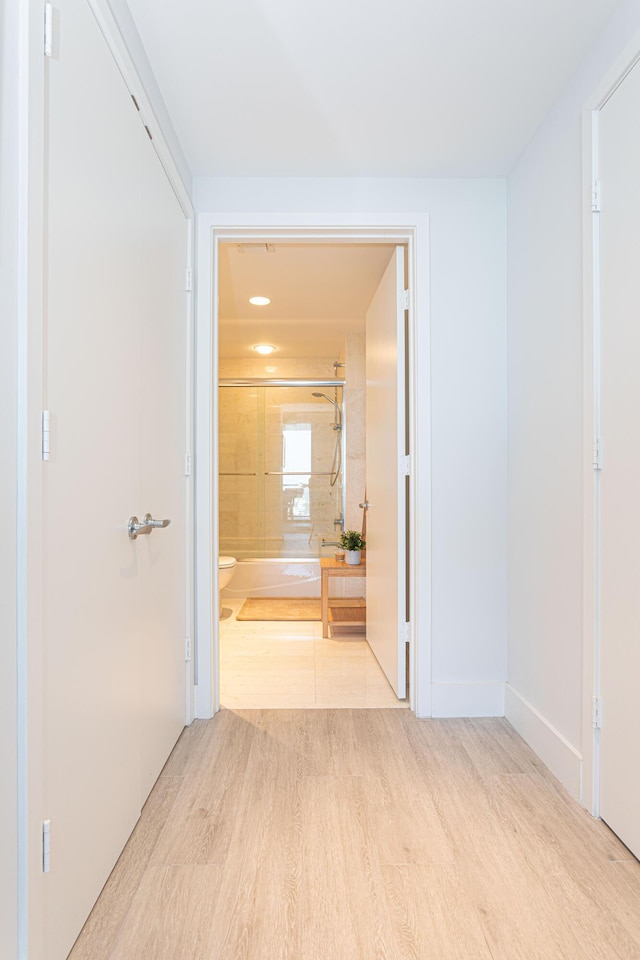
(412, 230)
(591, 638)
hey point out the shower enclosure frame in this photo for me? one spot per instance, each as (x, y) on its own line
(410, 229)
(224, 382)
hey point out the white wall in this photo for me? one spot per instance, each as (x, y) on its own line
(545, 370)
(468, 371)
(9, 147)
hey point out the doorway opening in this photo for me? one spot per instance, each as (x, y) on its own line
(412, 230)
(291, 413)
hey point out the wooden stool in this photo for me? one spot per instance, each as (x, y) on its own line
(346, 611)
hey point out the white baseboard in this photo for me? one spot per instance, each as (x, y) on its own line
(467, 699)
(564, 761)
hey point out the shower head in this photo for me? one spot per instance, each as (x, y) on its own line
(334, 402)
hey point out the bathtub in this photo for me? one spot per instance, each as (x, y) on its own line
(286, 578)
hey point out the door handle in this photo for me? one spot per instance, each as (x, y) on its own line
(365, 505)
(137, 528)
(155, 524)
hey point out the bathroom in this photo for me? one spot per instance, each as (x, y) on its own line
(292, 471)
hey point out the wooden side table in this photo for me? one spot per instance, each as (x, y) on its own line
(345, 612)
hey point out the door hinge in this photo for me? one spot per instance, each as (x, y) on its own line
(46, 846)
(596, 715)
(187, 649)
(187, 464)
(406, 631)
(188, 280)
(46, 435)
(595, 196)
(48, 30)
(597, 454)
(406, 465)
(405, 299)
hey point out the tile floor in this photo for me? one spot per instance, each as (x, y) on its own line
(289, 665)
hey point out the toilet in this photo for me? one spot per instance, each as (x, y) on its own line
(226, 566)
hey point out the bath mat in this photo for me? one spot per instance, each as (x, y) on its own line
(280, 608)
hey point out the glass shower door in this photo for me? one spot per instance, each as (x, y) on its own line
(280, 463)
(303, 479)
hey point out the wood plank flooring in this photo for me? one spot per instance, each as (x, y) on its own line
(363, 835)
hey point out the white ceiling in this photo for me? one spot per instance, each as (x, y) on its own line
(318, 293)
(362, 87)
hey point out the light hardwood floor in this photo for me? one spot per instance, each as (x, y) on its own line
(265, 664)
(363, 835)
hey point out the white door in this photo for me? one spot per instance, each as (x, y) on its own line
(163, 555)
(620, 479)
(114, 369)
(386, 516)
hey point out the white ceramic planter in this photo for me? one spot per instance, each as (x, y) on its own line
(353, 557)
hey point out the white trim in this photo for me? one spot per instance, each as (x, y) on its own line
(189, 493)
(28, 255)
(412, 229)
(475, 699)
(591, 423)
(616, 74)
(30, 518)
(115, 41)
(560, 756)
(591, 477)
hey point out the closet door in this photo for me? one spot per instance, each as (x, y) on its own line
(115, 385)
(162, 556)
(620, 479)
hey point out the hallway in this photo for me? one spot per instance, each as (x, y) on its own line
(363, 835)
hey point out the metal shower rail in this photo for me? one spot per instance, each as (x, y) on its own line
(258, 382)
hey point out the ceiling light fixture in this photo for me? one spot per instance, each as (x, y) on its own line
(259, 301)
(264, 348)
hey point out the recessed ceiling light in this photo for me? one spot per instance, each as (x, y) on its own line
(264, 348)
(259, 301)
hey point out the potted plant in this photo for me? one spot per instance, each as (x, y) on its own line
(353, 544)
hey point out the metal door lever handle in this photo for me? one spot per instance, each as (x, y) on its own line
(155, 524)
(137, 528)
(365, 505)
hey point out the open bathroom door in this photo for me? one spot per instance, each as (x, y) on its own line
(386, 496)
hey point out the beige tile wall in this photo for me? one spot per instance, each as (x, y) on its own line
(318, 368)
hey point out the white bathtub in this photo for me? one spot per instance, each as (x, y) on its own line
(286, 578)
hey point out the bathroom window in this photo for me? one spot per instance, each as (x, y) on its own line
(296, 467)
